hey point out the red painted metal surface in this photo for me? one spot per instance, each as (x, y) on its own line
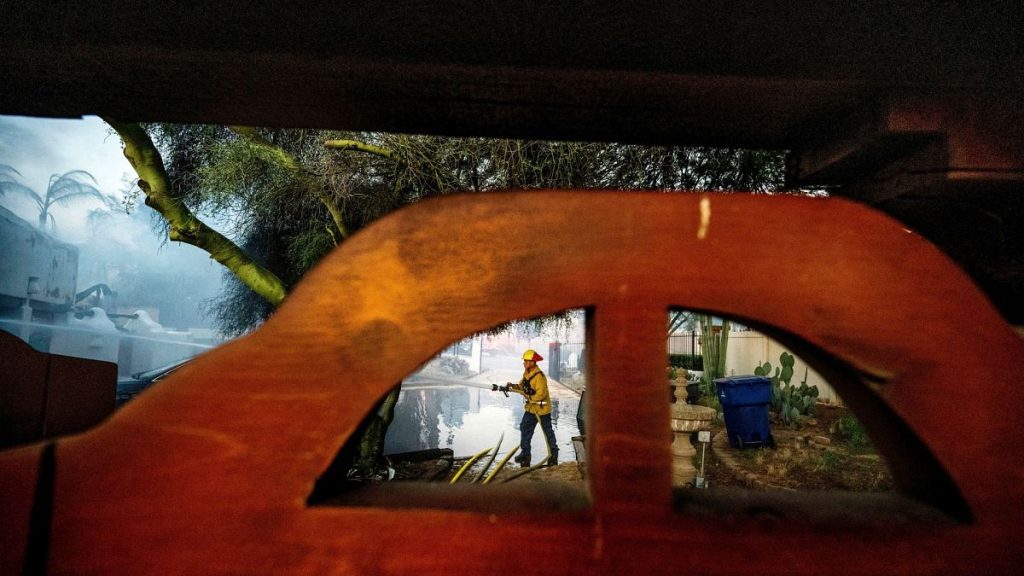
(209, 472)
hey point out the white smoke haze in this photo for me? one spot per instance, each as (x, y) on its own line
(115, 247)
(40, 147)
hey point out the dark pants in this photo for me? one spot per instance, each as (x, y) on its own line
(526, 427)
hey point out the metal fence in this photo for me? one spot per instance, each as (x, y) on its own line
(566, 360)
(684, 343)
(570, 355)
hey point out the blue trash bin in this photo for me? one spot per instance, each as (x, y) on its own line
(745, 401)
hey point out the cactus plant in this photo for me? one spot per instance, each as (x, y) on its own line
(714, 345)
(787, 361)
(790, 401)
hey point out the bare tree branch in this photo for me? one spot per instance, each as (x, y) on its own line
(358, 146)
(292, 164)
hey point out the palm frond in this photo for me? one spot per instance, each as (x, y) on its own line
(72, 186)
(9, 183)
(17, 188)
(6, 171)
(75, 174)
(69, 197)
(62, 185)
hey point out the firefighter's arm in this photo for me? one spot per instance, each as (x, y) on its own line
(518, 387)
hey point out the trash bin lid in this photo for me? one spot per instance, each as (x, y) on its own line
(747, 380)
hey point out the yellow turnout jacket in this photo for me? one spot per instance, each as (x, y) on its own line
(540, 402)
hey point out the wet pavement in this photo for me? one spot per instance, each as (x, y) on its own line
(468, 417)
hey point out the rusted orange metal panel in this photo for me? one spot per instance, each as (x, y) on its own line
(209, 472)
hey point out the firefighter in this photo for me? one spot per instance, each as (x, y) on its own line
(534, 388)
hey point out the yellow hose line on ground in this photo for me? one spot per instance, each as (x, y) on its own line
(547, 441)
(491, 461)
(468, 464)
(501, 464)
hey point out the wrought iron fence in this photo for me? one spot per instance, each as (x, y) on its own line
(684, 343)
(567, 359)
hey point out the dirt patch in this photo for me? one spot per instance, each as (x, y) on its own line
(563, 472)
(828, 452)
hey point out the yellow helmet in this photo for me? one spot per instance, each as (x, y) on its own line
(531, 355)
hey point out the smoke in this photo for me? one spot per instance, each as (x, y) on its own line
(128, 252)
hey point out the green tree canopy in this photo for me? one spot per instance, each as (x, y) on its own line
(290, 196)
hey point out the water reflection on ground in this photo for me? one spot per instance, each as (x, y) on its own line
(468, 419)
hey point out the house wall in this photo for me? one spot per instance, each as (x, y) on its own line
(29, 253)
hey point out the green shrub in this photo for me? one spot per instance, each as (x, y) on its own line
(711, 401)
(848, 428)
(688, 361)
(709, 397)
(832, 462)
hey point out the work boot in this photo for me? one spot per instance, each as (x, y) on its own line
(553, 460)
(523, 460)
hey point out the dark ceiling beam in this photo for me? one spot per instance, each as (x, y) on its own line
(913, 106)
(455, 100)
(892, 42)
(718, 73)
(951, 167)
(933, 143)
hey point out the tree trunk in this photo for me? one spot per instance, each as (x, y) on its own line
(184, 226)
(372, 434)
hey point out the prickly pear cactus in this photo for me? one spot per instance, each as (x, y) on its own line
(787, 361)
(790, 401)
(763, 369)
